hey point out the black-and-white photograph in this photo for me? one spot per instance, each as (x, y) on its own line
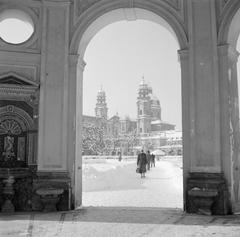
(119, 118)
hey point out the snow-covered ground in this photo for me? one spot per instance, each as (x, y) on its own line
(108, 182)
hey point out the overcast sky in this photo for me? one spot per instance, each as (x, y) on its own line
(120, 55)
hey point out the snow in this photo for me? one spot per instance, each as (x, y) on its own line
(109, 182)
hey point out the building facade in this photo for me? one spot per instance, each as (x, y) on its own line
(149, 118)
(147, 132)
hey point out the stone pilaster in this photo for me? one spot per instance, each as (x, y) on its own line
(187, 112)
(230, 137)
(53, 103)
(205, 117)
(52, 143)
(78, 135)
(206, 185)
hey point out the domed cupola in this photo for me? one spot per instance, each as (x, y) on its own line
(155, 107)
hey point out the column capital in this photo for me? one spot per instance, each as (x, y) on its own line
(73, 59)
(227, 50)
(183, 54)
(76, 60)
(81, 63)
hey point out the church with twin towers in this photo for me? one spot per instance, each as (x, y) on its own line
(148, 123)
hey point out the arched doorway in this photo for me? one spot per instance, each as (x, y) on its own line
(87, 28)
(115, 127)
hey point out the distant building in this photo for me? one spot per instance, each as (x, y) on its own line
(149, 112)
(113, 126)
(151, 128)
(127, 125)
(114, 129)
(173, 144)
(151, 131)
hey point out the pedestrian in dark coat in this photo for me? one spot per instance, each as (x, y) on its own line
(148, 160)
(141, 163)
(152, 160)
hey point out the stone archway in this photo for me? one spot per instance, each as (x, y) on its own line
(88, 26)
(51, 57)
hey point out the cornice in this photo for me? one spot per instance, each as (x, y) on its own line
(23, 91)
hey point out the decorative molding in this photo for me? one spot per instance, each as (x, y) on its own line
(177, 4)
(18, 114)
(183, 55)
(81, 6)
(27, 71)
(10, 125)
(24, 89)
(33, 3)
(222, 5)
(18, 79)
(56, 3)
(16, 91)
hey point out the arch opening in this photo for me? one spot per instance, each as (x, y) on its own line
(102, 21)
(123, 14)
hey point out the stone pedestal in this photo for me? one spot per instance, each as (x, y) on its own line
(17, 189)
(49, 198)
(52, 188)
(8, 193)
(207, 194)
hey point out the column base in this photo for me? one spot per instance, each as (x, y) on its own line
(207, 194)
(49, 198)
(51, 191)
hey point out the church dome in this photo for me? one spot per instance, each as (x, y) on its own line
(155, 100)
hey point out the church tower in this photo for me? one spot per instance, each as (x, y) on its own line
(155, 108)
(144, 108)
(101, 109)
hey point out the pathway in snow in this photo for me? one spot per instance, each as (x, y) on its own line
(114, 183)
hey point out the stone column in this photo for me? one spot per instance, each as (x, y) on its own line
(53, 103)
(187, 112)
(230, 141)
(205, 176)
(79, 129)
(75, 126)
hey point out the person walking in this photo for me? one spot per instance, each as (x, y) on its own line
(148, 160)
(141, 163)
(152, 160)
